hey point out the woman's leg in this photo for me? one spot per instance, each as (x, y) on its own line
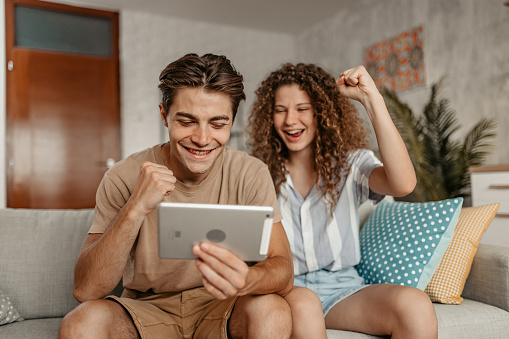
(399, 311)
(307, 314)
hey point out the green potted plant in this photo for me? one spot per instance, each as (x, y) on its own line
(441, 163)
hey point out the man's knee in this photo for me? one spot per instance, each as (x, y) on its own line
(261, 316)
(270, 307)
(87, 317)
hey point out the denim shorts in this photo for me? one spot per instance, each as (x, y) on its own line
(331, 287)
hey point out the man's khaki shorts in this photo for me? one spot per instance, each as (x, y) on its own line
(192, 313)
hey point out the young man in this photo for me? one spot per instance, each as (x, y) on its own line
(215, 296)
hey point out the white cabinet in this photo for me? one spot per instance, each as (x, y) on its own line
(490, 184)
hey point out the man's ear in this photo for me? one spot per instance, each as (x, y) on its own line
(163, 114)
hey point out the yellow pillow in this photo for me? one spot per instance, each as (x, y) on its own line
(449, 278)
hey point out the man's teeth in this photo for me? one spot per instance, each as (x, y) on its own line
(197, 152)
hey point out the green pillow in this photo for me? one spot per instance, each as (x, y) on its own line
(402, 243)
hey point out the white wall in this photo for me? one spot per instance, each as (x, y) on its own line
(465, 40)
(148, 43)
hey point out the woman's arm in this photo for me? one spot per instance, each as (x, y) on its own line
(397, 176)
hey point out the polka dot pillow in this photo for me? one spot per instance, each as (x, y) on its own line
(402, 243)
(8, 313)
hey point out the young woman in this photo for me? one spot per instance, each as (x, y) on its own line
(304, 127)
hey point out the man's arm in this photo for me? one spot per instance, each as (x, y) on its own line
(103, 257)
(224, 275)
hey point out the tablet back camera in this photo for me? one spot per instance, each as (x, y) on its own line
(216, 236)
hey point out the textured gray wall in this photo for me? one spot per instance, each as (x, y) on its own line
(463, 39)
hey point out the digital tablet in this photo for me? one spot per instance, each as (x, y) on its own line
(244, 230)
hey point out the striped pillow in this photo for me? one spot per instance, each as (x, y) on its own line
(449, 278)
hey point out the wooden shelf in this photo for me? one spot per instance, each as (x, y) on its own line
(492, 168)
(498, 187)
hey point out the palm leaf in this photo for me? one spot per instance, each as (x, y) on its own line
(476, 147)
(407, 123)
(441, 163)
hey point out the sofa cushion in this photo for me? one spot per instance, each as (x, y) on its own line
(34, 328)
(470, 320)
(38, 251)
(488, 281)
(402, 243)
(449, 278)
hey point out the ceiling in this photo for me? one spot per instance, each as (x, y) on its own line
(284, 16)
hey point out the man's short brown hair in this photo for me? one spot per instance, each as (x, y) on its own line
(211, 72)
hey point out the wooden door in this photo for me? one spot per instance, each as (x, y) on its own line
(62, 115)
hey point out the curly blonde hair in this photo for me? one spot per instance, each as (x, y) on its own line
(339, 133)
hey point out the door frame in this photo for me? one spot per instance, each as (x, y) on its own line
(9, 48)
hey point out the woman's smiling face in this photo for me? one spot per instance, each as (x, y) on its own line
(294, 118)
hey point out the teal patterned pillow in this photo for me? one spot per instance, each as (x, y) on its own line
(402, 243)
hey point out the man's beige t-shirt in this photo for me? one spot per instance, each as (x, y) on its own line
(235, 179)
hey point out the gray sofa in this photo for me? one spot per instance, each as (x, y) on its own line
(38, 249)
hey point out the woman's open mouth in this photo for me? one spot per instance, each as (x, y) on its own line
(294, 134)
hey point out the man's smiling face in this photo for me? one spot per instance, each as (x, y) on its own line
(199, 124)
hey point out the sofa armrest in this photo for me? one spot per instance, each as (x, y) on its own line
(488, 281)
